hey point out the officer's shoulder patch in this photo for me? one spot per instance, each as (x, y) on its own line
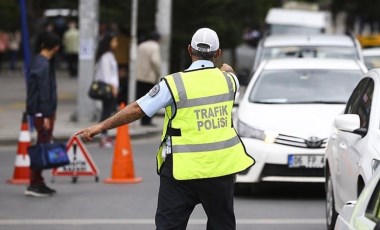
(153, 92)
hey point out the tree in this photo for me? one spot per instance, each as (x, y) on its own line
(227, 17)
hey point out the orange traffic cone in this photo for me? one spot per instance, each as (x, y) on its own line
(122, 167)
(22, 162)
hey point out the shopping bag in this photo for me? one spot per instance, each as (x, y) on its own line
(48, 155)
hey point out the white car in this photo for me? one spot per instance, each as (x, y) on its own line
(296, 21)
(285, 115)
(365, 212)
(371, 57)
(316, 46)
(353, 150)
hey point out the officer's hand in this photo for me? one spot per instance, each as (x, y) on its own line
(88, 133)
(226, 67)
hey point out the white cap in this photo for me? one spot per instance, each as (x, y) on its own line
(205, 36)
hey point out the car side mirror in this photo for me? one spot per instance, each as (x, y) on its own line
(361, 131)
(350, 123)
(347, 122)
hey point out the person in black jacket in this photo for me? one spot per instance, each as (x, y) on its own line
(41, 103)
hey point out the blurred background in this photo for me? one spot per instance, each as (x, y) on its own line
(240, 24)
(230, 18)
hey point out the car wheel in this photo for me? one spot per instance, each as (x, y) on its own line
(331, 214)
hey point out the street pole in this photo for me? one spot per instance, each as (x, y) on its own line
(25, 38)
(26, 50)
(163, 26)
(133, 53)
(88, 34)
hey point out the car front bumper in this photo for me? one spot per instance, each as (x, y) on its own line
(272, 164)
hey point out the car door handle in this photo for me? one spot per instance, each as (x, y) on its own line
(342, 146)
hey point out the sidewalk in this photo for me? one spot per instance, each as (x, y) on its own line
(12, 106)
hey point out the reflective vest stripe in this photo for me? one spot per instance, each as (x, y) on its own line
(186, 103)
(180, 87)
(229, 82)
(206, 147)
(205, 100)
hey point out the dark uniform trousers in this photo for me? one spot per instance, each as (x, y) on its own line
(178, 198)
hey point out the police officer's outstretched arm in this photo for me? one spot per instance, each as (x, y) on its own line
(130, 113)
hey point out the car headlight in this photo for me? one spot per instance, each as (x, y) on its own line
(375, 164)
(267, 136)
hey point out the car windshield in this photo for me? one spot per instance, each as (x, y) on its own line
(304, 86)
(303, 51)
(292, 29)
(372, 61)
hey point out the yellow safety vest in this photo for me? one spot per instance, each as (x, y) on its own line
(204, 142)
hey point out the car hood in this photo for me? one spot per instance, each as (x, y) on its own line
(299, 120)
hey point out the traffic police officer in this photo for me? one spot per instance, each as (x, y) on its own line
(200, 151)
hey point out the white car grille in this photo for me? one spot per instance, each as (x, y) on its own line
(311, 142)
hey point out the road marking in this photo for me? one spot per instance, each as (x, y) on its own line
(17, 105)
(149, 221)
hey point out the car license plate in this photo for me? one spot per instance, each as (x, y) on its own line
(306, 161)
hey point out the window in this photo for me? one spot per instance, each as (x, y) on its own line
(353, 102)
(307, 86)
(372, 61)
(347, 52)
(293, 29)
(364, 110)
(361, 100)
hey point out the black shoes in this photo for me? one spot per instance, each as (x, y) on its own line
(52, 191)
(39, 191)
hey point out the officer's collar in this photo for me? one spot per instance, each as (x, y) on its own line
(200, 64)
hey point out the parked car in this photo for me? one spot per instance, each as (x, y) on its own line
(371, 57)
(296, 21)
(369, 40)
(353, 150)
(363, 213)
(285, 115)
(316, 46)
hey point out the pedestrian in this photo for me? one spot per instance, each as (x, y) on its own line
(200, 151)
(252, 36)
(41, 103)
(106, 71)
(122, 58)
(4, 43)
(71, 48)
(14, 47)
(48, 27)
(148, 69)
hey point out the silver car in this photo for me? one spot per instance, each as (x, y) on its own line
(315, 46)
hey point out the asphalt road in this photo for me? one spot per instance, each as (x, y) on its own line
(89, 205)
